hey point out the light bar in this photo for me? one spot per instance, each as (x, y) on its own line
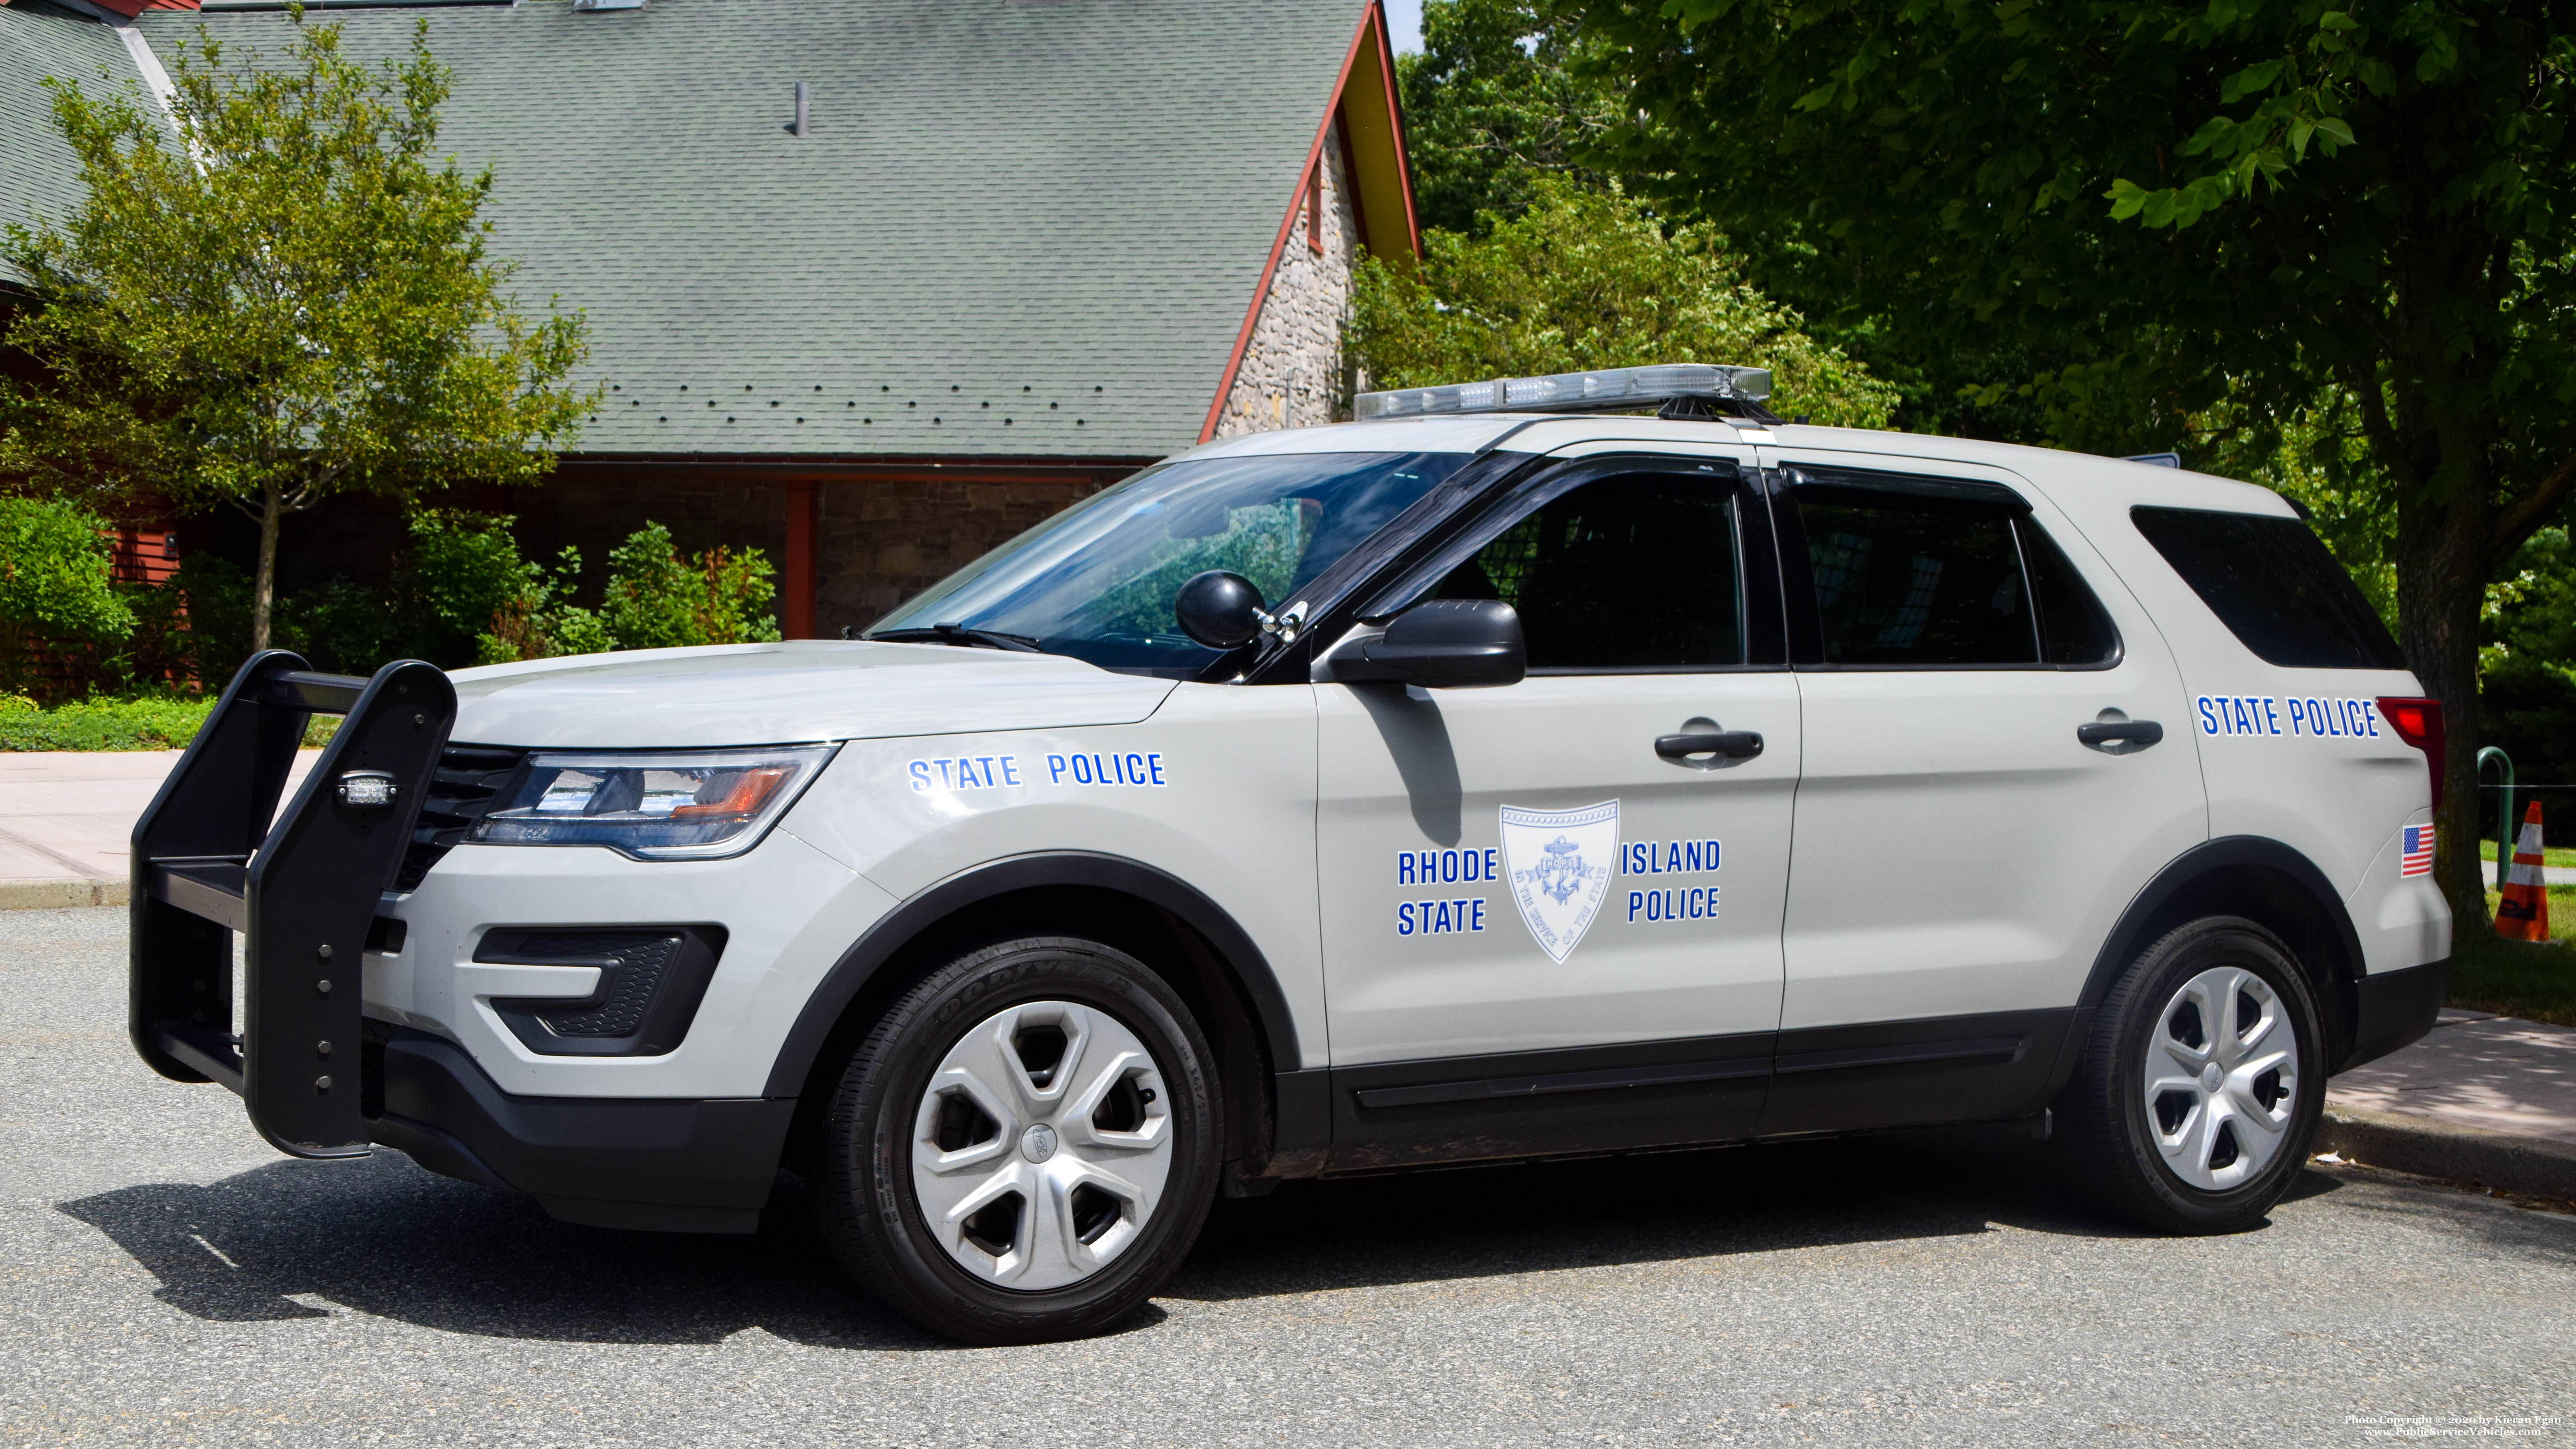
(1611, 389)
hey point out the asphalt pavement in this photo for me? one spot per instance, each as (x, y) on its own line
(165, 1278)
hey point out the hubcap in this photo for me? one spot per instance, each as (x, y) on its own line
(2222, 1079)
(1042, 1145)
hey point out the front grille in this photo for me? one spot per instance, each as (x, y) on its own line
(468, 780)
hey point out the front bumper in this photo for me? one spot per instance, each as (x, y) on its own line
(784, 913)
(671, 1165)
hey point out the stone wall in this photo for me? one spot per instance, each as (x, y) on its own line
(1291, 375)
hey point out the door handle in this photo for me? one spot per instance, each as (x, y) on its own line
(2141, 732)
(1734, 744)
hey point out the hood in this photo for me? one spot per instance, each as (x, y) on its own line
(768, 694)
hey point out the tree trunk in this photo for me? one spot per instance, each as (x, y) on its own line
(2442, 574)
(263, 588)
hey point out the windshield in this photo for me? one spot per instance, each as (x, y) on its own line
(1097, 580)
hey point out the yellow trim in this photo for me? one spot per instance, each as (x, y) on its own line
(1368, 116)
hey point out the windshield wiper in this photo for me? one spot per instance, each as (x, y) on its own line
(960, 636)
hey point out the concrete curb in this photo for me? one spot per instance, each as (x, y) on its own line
(51, 895)
(2461, 1154)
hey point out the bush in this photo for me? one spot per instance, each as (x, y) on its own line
(159, 720)
(460, 594)
(56, 584)
(148, 722)
(658, 600)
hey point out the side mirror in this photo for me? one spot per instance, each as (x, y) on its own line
(1219, 609)
(1438, 644)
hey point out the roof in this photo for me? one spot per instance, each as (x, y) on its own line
(1017, 227)
(2049, 468)
(39, 177)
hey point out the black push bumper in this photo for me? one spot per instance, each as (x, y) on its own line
(673, 1166)
(303, 893)
(2392, 1009)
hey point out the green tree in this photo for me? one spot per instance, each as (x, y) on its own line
(56, 583)
(2154, 209)
(660, 600)
(1590, 279)
(280, 295)
(1492, 103)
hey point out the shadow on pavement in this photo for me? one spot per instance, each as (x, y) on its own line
(384, 1237)
(1470, 1223)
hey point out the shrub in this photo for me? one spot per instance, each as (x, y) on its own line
(207, 604)
(158, 720)
(148, 722)
(658, 600)
(56, 583)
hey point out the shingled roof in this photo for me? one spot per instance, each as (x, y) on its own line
(39, 176)
(1015, 227)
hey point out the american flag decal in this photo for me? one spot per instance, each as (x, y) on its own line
(2418, 844)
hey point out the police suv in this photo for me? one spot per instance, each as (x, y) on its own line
(1502, 775)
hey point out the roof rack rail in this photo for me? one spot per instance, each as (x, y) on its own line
(1674, 389)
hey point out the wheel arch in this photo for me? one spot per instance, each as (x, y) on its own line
(1192, 942)
(2266, 882)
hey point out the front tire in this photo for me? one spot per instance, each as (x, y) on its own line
(2201, 1083)
(1023, 1147)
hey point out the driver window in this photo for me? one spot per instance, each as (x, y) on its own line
(1633, 571)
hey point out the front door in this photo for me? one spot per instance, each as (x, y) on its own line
(1539, 930)
(1962, 848)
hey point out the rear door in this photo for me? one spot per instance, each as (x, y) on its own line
(1962, 850)
(1539, 932)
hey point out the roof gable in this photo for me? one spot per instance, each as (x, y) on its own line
(1016, 227)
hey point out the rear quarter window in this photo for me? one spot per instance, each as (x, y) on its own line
(2272, 583)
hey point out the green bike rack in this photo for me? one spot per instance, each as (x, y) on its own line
(2504, 812)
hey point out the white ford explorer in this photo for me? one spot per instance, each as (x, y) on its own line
(1492, 778)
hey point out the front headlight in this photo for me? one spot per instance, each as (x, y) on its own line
(651, 804)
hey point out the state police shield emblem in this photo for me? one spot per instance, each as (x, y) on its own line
(1559, 862)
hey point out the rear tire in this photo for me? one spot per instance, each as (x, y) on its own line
(2198, 1093)
(1023, 1147)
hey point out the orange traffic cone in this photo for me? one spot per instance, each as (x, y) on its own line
(2522, 912)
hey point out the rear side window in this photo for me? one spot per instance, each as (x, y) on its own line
(1917, 582)
(2272, 583)
(1943, 573)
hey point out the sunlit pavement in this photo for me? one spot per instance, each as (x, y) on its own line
(171, 1280)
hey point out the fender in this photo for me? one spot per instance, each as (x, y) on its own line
(2222, 867)
(898, 927)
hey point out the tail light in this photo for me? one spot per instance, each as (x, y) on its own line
(2419, 723)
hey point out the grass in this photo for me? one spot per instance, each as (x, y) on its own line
(143, 722)
(2520, 978)
(2552, 855)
